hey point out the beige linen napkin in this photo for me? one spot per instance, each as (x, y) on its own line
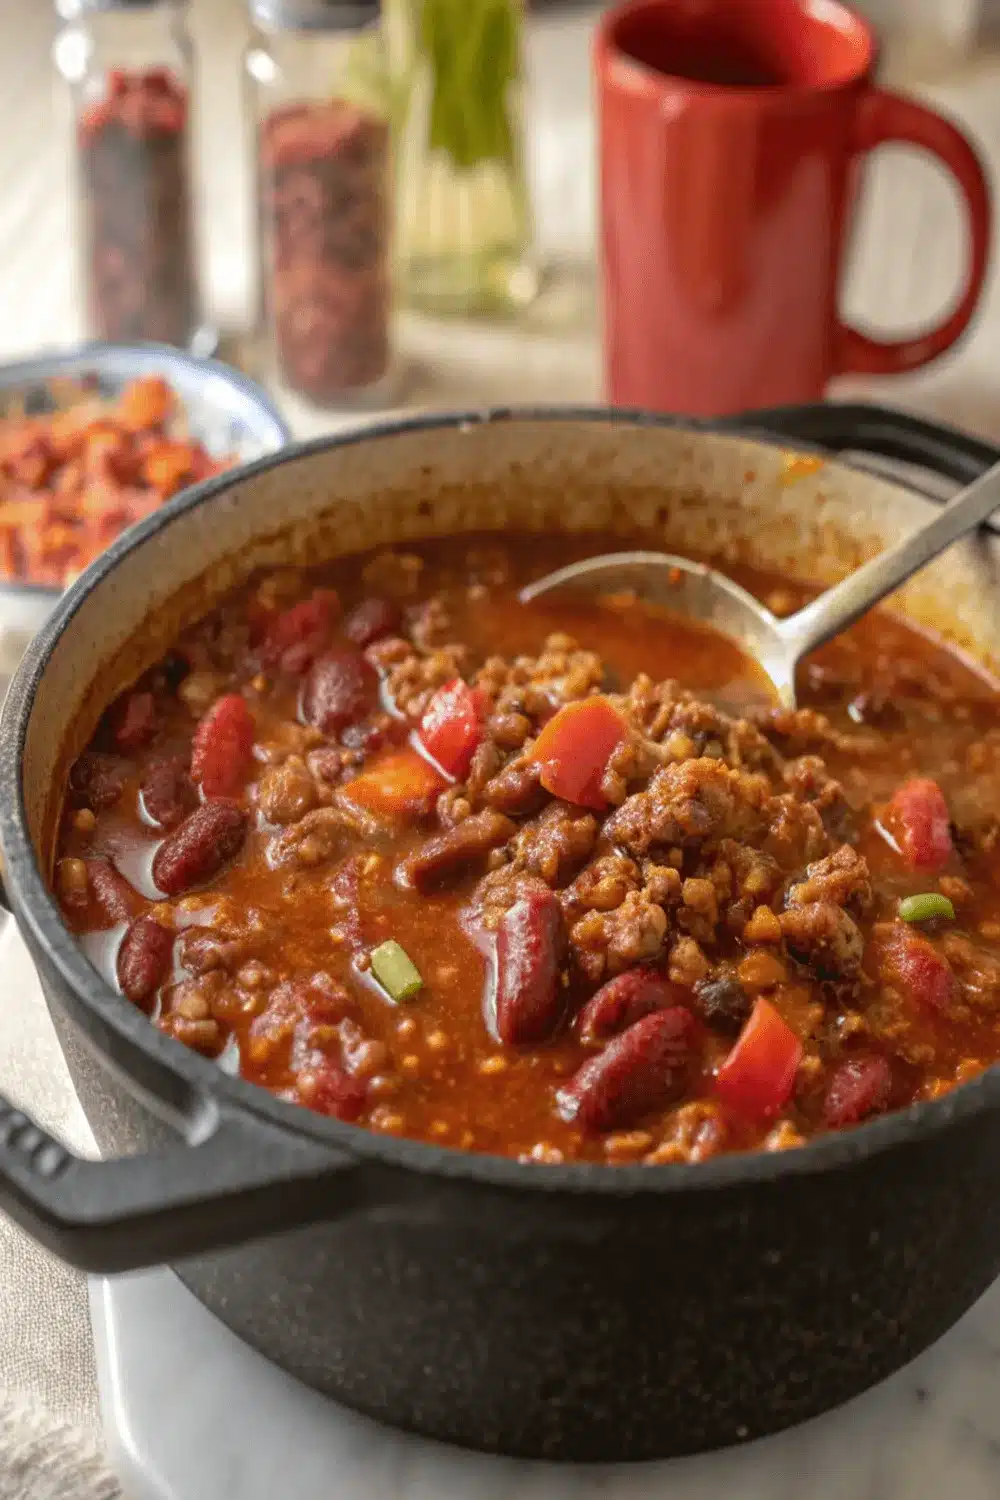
(49, 1428)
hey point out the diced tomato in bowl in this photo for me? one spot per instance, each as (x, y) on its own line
(95, 439)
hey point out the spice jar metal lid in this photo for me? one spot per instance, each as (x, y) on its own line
(315, 15)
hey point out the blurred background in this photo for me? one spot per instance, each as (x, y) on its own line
(905, 258)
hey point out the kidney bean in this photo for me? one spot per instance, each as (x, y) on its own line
(638, 1071)
(297, 636)
(133, 721)
(624, 1000)
(197, 850)
(112, 892)
(371, 620)
(144, 959)
(222, 749)
(340, 689)
(531, 940)
(858, 1088)
(328, 1089)
(98, 780)
(168, 793)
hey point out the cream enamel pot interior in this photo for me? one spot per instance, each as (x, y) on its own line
(567, 1312)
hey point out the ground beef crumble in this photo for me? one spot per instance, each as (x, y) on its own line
(707, 821)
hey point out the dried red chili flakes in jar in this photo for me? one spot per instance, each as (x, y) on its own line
(138, 244)
(324, 176)
(72, 479)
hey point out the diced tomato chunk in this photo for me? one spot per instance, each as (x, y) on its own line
(451, 729)
(574, 748)
(147, 402)
(911, 963)
(918, 821)
(222, 748)
(758, 1076)
(398, 786)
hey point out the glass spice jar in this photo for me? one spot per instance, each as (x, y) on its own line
(323, 161)
(129, 65)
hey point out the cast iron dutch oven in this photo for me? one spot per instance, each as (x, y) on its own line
(572, 1312)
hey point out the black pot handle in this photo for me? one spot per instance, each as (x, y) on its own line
(243, 1179)
(835, 426)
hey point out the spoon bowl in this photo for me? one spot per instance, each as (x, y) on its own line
(686, 588)
(701, 593)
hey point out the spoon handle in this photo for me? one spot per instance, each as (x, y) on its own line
(840, 606)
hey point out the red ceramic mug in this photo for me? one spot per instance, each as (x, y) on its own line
(731, 132)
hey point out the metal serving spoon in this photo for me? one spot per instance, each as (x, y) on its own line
(778, 645)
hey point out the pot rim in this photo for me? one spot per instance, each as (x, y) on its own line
(37, 909)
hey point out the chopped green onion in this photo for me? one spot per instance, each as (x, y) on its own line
(396, 972)
(923, 908)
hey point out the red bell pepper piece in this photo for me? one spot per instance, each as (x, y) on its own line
(399, 785)
(758, 1076)
(451, 729)
(574, 748)
(918, 822)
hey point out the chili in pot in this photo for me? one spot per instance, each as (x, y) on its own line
(553, 881)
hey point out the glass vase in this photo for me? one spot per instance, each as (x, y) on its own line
(464, 233)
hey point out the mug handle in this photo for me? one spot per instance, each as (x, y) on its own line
(884, 117)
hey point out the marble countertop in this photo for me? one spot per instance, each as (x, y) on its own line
(930, 1432)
